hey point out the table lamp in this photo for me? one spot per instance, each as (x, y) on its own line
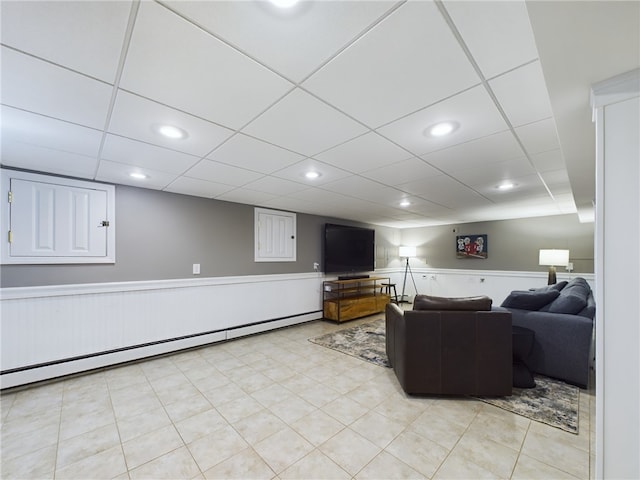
(553, 258)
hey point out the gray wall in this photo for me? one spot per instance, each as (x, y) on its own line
(161, 235)
(513, 245)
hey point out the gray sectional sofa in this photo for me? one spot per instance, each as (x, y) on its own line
(561, 315)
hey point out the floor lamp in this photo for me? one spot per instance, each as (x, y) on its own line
(407, 252)
(553, 258)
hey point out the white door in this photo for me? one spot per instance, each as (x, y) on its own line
(48, 220)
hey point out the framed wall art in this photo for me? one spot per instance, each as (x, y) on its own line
(471, 246)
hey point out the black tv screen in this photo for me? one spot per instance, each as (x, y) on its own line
(348, 249)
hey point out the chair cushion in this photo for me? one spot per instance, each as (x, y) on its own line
(530, 300)
(427, 302)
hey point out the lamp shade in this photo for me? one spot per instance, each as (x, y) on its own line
(407, 251)
(556, 258)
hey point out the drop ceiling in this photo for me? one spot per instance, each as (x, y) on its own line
(347, 89)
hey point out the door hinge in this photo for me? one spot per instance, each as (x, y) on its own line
(104, 223)
(10, 197)
(10, 236)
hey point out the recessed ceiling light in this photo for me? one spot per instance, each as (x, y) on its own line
(172, 132)
(441, 129)
(284, 3)
(405, 203)
(312, 175)
(138, 176)
(506, 186)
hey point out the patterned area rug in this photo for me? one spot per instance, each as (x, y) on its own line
(365, 341)
(551, 402)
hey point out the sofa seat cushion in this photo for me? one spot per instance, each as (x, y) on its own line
(428, 302)
(530, 299)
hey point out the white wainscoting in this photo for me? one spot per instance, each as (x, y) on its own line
(465, 283)
(52, 331)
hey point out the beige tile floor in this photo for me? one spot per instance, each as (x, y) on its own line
(273, 405)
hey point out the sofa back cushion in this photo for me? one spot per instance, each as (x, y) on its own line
(590, 310)
(428, 302)
(572, 298)
(530, 299)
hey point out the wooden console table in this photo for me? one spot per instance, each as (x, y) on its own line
(354, 298)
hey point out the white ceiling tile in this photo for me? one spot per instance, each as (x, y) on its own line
(173, 62)
(539, 136)
(556, 178)
(42, 159)
(389, 211)
(243, 195)
(498, 34)
(28, 128)
(41, 87)
(551, 160)
(402, 172)
(51, 30)
(525, 186)
(427, 208)
(296, 172)
(138, 118)
(482, 151)
(517, 208)
(319, 196)
(198, 188)
(566, 203)
(132, 152)
(473, 110)
(363, 153)
(444, 191)
(292, 41)
(290, 204)
(410, 223)
(560, 189)
(119, 173)
(275, 186)
(378, 80)
(221, 173)
(364, 189)
(523, 95)
(304, 124)
(417, 205)
(494, 173)
(246, 152)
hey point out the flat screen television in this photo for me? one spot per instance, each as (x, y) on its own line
(348, 250)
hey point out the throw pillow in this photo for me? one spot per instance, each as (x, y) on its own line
(530, 300)
(570, 302)
(556, 286)
(572, 299)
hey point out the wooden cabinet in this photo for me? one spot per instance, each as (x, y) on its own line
(354, 298)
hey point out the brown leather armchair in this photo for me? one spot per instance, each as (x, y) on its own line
(451, 346)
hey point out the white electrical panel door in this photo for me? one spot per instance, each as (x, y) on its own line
(51, 222)
(275, 234)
